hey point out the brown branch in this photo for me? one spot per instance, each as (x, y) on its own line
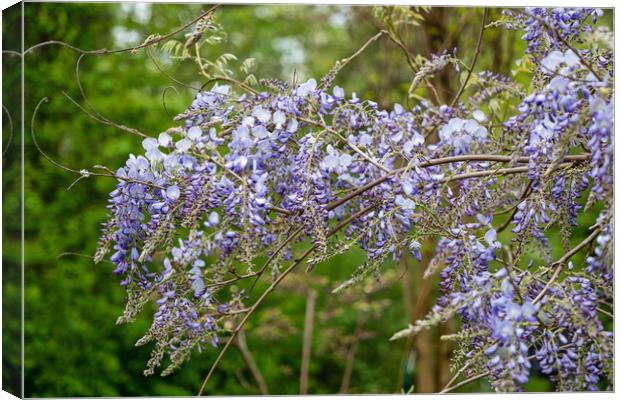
(469, 380)
(439, 161)
(417, 307)
(422, 345)
(409, 301)
(455, 377)
(500, 171)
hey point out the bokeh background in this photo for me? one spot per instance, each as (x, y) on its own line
(72, 345)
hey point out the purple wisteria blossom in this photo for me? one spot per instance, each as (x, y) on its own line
(266, 174)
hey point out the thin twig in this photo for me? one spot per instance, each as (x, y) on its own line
(411, 62)
(401, 45)
(565, 43)
(83, 173)
(343, 63)
(70, 253)
(455, 377)
(167, 75)
(36, 144)
(474, 378)
(524, 195)
(345, 141)
(97, 116)
(469, 380)
(275, 253)
(105, 121)
(470, 70)
(156, 39)
(562, 261)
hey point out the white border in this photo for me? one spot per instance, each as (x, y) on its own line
(554, 3)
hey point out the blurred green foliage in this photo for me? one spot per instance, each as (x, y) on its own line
(72, 345)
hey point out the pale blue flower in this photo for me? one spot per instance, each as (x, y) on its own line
(306, 88)
(173, 192)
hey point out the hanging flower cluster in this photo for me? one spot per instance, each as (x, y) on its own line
(255, 176)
